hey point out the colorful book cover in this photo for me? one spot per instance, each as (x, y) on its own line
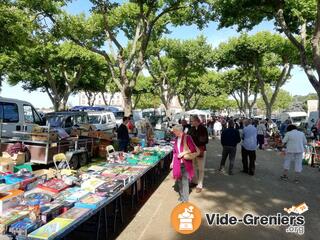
(74, 213)
(54, 185)
(91, 201)
(51, 229)
(92, 184)
(76, 196)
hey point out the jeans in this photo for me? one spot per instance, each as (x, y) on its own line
(182, 185)
(231, 152)
(260, 140)
(252, 158)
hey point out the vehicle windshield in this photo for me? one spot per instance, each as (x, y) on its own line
(55, 121)
(298, 119)
(94, 119)
(119, 115)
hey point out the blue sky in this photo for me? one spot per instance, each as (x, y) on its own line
(297, 85)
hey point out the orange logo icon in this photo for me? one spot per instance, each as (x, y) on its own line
(186, 218)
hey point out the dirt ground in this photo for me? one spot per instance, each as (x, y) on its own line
(262, 194)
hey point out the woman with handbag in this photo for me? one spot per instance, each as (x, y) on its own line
(184, 151)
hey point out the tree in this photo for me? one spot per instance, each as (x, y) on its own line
(178, 68)
(220, 102)
(299, 20)
(144, 92)
(15, 30)
(282, 102)
(139, 22)
(242, 86)
(264, 56)
(55, 68)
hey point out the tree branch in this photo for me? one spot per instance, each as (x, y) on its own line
(316, 41)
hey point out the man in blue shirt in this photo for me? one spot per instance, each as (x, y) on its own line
(249, 146)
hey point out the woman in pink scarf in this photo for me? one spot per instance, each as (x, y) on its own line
(182, 168)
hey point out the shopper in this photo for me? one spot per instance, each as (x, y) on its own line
(261, 130)
(182, 168)
(230, 137)
(217, 127)
(186, 126)
(123, 134)
(295, 142)
(199, 134)
(249, 146)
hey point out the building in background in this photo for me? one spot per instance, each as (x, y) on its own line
(114, 100)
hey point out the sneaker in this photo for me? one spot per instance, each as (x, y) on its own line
(296, 181)
(284, 178)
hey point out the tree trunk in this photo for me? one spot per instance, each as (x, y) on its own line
(126, 93)
(56, 105)
(268, 110)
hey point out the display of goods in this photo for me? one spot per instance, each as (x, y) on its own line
(92, 184)
(92, 201)
(74, 213)
(110, 187)
(51, 229)
(11, 217)
(40, 196)
(10, 199)
(23, 227)
(117, 157)
(76, 196)
(50, 211)
(96, 168)
(54, 185)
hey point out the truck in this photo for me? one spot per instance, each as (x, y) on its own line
(296, 118)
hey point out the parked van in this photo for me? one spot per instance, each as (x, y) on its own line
(103, 121)
(17, 115)
(66, 120)
(295, 117)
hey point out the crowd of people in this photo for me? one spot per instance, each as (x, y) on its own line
(191, 140)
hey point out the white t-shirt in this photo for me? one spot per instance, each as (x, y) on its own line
(179, 144)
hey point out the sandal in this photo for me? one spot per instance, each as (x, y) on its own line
(284, 178)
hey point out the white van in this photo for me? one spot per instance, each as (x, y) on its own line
(103, 121)
(295, 117)
(17, 115)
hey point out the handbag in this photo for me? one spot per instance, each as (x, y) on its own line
(189, 155)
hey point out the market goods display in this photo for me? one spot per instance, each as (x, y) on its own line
(37, 206)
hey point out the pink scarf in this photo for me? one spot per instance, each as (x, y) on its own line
(187, 163)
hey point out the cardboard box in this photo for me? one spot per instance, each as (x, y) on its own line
(17, 158)
(50, 173)
(6, 164)
(10, 199)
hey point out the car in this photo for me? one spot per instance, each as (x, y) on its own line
(103, 121)
(17, 115)
(66, 120)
